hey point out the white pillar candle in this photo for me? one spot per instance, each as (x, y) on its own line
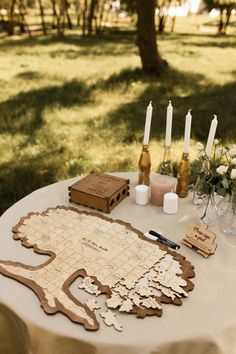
(170, 205)
(147, 124)
(141, 194)
(211, 135)
(187, 131)
(169, 115)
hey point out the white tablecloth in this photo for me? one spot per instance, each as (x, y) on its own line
(205, 323)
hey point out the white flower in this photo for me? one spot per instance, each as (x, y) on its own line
(233, 161)
(232, 152)
(216, 141)
(233, 173)
(222, 169)
(201, 154)
(220, 151)
(199, 147)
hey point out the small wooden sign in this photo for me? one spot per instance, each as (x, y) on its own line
(99, 191)
(200, 239)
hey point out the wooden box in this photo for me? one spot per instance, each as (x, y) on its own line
(99, 191)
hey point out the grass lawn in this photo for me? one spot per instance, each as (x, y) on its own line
(73, 105)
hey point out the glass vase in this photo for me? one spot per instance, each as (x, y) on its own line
(227, 214)
(207, 210)
(198, 197)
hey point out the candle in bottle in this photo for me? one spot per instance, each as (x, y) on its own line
(169, 115)
(147, 124)
(187, 131)
(211, 135)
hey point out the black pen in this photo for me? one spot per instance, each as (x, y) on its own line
(164, 240)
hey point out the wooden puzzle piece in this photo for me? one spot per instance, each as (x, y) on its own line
(135, 298)
(87, 285)
(151, 302)
(92, 304)
(121, 290)
(126, 306)
(171, 281)
(110, 320)
(166, 291)
(143, 291)
(114, 301)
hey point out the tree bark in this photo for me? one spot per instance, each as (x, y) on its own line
(152, 62)
(42, 17)
(12, 18)
(84, 17)
(228, 14)
(57, 17)
(70, 25)
(221, 23)
(91, 16)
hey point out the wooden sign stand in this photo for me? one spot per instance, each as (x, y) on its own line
(200, 239)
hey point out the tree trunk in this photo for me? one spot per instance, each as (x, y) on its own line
(12, 18)
(162, 23)
(22, 11)
(62, 17)
(146, 38)
(84, 17)
(228, 14)
(221, 23)
(91, 16)
(173, 23)
(56, 16)
(42, 17)
(66, 8)
(100, 17)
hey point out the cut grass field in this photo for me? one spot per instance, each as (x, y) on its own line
(73, 105)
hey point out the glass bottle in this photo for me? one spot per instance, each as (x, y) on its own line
(166, 167)
(183, 176)
(227, 212)
(144, 166)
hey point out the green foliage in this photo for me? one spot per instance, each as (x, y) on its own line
(218, 173)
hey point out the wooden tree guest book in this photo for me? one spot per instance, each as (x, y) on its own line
(99, 191)
(133, 275)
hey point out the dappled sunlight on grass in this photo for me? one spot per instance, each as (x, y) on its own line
(73, 105)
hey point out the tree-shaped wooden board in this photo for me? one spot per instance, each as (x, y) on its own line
(112, 257)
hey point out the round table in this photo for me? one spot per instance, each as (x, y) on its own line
(205, 323)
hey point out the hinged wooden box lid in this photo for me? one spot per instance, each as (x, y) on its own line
(99, 191)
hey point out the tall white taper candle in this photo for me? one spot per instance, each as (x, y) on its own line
(147, 124)
(187, 131)
(211, 135)
(169, 115)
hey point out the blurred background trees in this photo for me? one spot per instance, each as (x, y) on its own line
(94, 17)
